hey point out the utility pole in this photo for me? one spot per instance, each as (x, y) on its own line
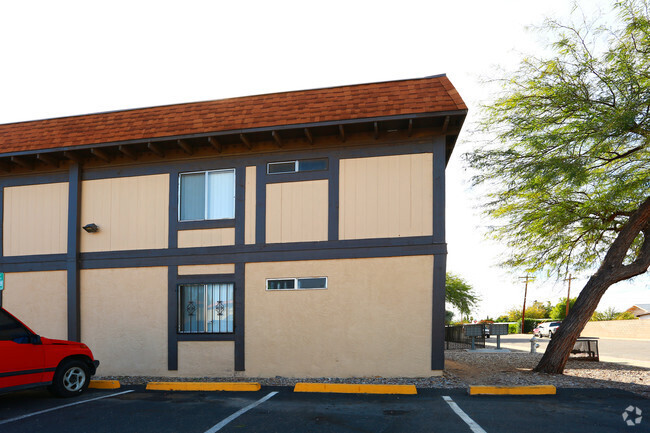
(523, 312)
(568, 293)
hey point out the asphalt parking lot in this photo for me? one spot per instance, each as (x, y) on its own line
(279, 409)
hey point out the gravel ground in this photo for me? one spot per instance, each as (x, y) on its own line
(464, 368)
(515, 368)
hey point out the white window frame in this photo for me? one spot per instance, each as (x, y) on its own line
(295, 284)
(206, 193)
(296, 166)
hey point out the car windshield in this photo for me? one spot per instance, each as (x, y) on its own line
(556, 323)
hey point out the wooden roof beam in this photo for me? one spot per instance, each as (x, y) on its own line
(342, 132)
(445, 125)
(277, 138)
(308, 135)
(216, 144)
(23, 162)
(101, 154)
(48, 159)
(73, 156)
(128, 151)
(245, 140)
(187, 147)
(155, 149)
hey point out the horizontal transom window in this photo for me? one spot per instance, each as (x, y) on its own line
(296, 166)
(296, 283)
(207, 195)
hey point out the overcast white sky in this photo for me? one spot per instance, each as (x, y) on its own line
(77, 57)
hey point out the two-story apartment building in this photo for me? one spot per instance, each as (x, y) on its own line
(296, 234)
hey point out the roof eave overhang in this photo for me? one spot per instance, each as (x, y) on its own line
(456, 117)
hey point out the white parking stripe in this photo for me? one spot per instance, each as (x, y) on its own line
(469, 421)
(7, 421)
(223, 423)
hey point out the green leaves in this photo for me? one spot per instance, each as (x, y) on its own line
(570, 160)
(460, 294)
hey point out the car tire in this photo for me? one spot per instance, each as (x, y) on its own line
(71, 378)
(550, 334)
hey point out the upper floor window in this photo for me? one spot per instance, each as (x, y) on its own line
(296, 166)
(207, 195)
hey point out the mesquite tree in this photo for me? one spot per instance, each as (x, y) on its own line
(568, 171)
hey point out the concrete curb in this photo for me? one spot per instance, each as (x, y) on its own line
(512, 390)
(104, 384)
(355, 388)
(203, 386)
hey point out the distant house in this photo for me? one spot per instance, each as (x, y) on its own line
(641, 311)
(296, 234)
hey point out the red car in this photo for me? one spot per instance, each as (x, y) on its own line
(28, 360)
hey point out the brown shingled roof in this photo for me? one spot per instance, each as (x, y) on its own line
(394, 98)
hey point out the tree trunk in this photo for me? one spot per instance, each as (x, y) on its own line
(558, 351)
(611, 271)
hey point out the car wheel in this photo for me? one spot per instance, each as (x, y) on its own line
(550, 334)
(71, 378)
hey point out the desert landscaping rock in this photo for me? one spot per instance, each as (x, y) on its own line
(467, 368)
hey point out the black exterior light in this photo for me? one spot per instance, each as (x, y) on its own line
(91, 228)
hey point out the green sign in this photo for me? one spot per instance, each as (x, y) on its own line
(2, 280)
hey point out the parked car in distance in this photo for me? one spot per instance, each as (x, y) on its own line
(28, 360)
(537, 332)
(547, 329)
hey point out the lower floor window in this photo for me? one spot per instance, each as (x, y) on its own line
(206, 308)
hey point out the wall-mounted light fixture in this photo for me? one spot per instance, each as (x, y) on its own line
(91, 228)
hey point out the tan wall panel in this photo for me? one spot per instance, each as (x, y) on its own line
(226, 268)
(251, 204)
(386, 196)
(35, 219)
(205, 358)
(617, 329)
(132, 213)
(39, 299)
(206, 237)
(373, 319)
(296, 211)
(124, 319)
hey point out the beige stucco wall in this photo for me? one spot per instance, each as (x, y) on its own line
(226, 268)
(296, 211)
(205, 358)
(39, 299)
(386, 196)
(251, 205)
(618, 329)
(206, 237)
(373, 319)
(35, 219)
(124, 319)
(132, 213)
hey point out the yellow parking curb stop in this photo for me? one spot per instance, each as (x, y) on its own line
(355, 388)
(513, 390)
(104, 384)
(203, 386)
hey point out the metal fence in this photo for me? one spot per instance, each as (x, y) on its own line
(456, 338)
